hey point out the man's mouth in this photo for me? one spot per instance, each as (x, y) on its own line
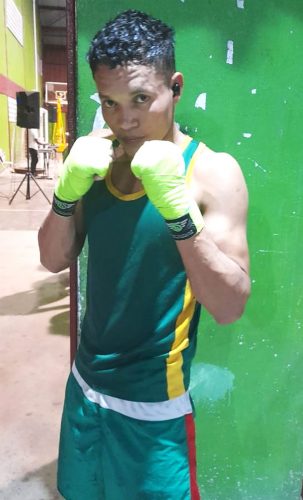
(131, 140)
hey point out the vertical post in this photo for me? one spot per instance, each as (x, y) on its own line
(35, 44)
(71, 120)
(28, 192)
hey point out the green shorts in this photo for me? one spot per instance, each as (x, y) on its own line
(107, 455)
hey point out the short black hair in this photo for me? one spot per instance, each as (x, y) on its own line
(134, 37)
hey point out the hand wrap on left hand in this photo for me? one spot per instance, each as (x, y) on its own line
(160, 167)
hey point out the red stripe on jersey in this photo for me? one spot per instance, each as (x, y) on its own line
(191, 438)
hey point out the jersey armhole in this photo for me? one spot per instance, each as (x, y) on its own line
(189, 172)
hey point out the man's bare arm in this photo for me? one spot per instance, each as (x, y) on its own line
(61, 236)
(61, 240)
(216, 260)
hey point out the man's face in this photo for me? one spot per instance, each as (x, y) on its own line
(137, 104)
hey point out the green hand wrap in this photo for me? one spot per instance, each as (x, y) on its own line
(160, 167)
(89, 156)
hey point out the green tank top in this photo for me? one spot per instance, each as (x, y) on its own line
(138, 335)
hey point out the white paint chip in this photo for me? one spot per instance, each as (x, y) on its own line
(201, 101)
(230, 52)
(240, 4)
(95, 97)
(253, 91)
(247, 135)
(211, 383)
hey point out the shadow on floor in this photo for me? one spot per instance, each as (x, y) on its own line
(59, 324)
(36, 485)
(33, 301)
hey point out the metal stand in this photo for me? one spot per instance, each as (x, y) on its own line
(46, 151)
(28, 176)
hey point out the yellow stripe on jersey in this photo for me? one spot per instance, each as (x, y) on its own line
(174, 362)
(190, 169)
(121, 196)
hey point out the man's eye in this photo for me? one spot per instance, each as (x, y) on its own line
(108, 103)
(141, 98)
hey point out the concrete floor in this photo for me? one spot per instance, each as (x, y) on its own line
(34, 362)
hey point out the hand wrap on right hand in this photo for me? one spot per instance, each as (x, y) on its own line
(89, 156)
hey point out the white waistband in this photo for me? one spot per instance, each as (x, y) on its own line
(162, 410)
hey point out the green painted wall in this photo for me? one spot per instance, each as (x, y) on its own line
(247, 377)
(17, 63)
(4, 138)
(29, 53)
(3, 67)
(15, 72)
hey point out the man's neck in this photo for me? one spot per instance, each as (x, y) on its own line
(176, 136)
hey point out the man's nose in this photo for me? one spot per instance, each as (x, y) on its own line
(128, 119)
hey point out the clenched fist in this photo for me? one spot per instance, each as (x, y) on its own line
(160, 167)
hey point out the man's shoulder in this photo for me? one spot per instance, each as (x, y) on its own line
(213, 164)
(209, 158)
(216, 172)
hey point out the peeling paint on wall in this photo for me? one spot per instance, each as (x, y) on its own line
(201, 101)
(230, 52)
(210, 383)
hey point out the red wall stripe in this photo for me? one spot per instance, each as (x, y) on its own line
(8, 87)
(191, 443)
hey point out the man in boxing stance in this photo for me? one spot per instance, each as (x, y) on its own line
(166, 229)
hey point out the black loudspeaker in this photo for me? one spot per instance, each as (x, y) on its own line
(28, 109)
(52, 114)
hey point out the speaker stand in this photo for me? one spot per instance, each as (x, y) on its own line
(27, 177)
